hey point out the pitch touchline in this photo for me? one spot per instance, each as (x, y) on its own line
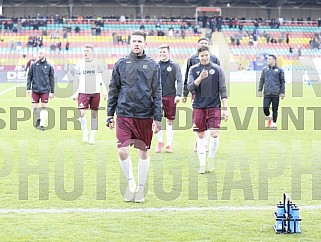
(143, 210)
(9, 89)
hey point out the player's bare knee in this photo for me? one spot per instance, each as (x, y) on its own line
(82, 112)
(201, 135)
(214, 133)
(143, 154)
(169, 122)
(123, 153)
(94, 113)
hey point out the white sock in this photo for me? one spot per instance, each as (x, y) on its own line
(43, 117)
(94, 123)
(143, 168)
(195, 133)
(92, 133)
(159, 136)
(127, 167)
(169, 134)
(36, 112)
(207, 135)
(201, 151)
(213, 147)
(83, 122)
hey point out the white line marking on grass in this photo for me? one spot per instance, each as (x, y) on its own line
(143, 210)
(9, 89)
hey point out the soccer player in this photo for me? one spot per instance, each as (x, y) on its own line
(89, 71)
(30, 61)
(41, 81)
(207, 80)
(194, 59)
(273, 83)
(170, 74)
(135, 94)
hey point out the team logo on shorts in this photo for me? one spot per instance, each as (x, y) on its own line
(81, 105)
(212, 71)
(169, 69)
(144, 66)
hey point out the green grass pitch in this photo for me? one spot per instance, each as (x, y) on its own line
(253, 168)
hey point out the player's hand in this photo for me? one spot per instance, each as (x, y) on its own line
(28, 92)
(184, 99)
(177, 99)
(105, 96)
(110, 122)
(282, 95)
(260, 94)
(204, 74)
(51, 95)
(225, 114)
(75, 96)
(157, 126)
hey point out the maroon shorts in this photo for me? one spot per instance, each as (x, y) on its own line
(88, 100)
(169, 107)
(36, 96)
(134, 131)
(206, 118)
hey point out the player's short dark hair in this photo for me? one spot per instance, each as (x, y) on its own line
(164, 46)
(140, 33)
(203, 38)
(89, 46)
(273, 56)
(203, 48)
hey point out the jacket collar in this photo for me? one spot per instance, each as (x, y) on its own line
(273, 67)
(134, 56)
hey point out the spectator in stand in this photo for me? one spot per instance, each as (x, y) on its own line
(299, 51)
(18, 45)
(235, 22)
(77, 29)
(122, 19)
(171, 32)
(158, 24)
(251, 42)
(268, 39)
(230, 23)
(59, 46)
(115, 38)
(67, 45)
(287, 38)
(232, 39)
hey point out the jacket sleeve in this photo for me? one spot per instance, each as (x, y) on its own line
(179, 81)
(282, 82)
(222, 84)
(188, 66)
(157, 94)
(190, 83)
(30, 76)
(215, 60)
(114, 87)
(52, 80)
(262, 80)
